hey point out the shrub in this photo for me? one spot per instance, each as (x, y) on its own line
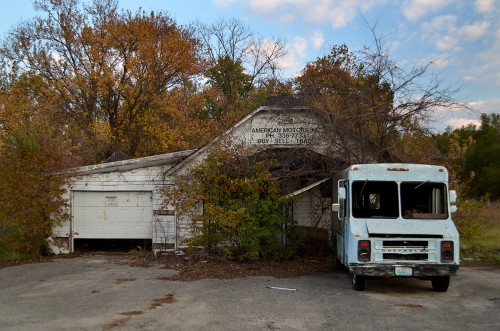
(235, 206)
(31, 199)
(468, 218)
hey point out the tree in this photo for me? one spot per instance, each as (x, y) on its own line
(104, 72)
(236, 204)
(472, 154)
(368, 102)
(482, 158)
(32, 199)
(239, 65)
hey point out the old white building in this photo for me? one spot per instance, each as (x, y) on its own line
(122, 200)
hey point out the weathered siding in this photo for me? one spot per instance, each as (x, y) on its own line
(311, 210)
(148, 181)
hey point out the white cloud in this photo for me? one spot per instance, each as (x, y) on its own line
(290, 63)
(459, 122)
(300, 45)
(487, 106)
(484, 6)
(454, 117)
(318, 39)
(470, 78)
(415, 9)
(474, 31)
(337, 12)
(446, 34)
(441, 62)
(458, 117)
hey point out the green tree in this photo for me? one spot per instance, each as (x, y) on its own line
(453, 146)
(471, 153)
(482, 158)
(240, 67)
(229, 78)
(235, 203)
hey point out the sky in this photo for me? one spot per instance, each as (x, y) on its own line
(460, 37)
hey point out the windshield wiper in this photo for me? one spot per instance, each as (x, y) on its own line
(421, 184)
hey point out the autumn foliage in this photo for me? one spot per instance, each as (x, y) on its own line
(82, 81)
(30, 191)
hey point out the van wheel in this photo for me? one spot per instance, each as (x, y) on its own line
(441, 283)
(358, 282)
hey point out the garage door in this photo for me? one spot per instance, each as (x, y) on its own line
(112, 215)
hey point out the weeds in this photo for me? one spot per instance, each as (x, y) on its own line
(479, 226)
(169, 298)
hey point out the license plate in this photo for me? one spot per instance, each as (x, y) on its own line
(403, 271)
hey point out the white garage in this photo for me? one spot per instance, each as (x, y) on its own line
(120, 201)
(112, 215)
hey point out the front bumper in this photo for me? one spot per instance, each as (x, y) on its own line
(388, 270)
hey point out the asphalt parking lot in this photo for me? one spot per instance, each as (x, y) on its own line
(103, 292)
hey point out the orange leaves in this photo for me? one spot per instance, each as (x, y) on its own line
(107, 73)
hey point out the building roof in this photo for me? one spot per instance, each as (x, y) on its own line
(307, 188)
(130, 164)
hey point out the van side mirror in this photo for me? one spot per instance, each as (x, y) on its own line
(453, 196)
(342, 193)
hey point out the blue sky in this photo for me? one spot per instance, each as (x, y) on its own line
(462, 37)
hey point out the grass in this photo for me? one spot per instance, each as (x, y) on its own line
(10, 256)
(484, 243)
(169, 298)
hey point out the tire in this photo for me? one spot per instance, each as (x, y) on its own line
(358, 282)
(440, 284)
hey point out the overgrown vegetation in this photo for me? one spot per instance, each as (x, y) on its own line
(81, 82)
(32, 200)
(236, 206)
(481, 239)
(471, 154)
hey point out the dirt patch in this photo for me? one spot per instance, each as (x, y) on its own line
(122, 323)
(195, 267)
(118, 324)
(169, 298)
(481, 264)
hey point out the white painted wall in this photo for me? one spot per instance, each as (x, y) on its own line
(311, 210)
(138, 212)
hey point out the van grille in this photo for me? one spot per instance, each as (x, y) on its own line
(405, 257)
(404, 250)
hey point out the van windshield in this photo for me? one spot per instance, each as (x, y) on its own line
(423, 200)
(379, 199)
(375, 199)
